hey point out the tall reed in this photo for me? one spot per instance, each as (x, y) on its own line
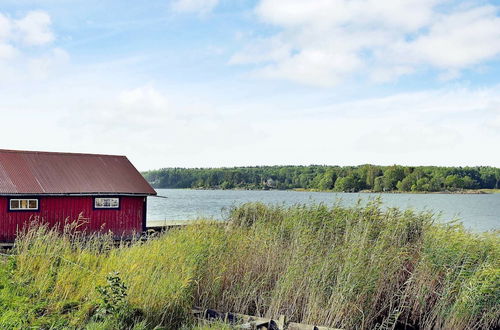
(347, 267)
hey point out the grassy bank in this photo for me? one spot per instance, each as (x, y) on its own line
(447, 192)
(358, 267)
(490, 191)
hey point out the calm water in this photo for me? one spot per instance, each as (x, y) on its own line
(477, 212)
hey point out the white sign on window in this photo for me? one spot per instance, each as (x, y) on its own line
(107, 203)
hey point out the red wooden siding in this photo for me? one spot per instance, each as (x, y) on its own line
(124, 222)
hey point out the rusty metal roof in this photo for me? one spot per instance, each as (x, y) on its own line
(35, 172)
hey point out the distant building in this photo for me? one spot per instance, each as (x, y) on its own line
(269, 183)
(54, 187)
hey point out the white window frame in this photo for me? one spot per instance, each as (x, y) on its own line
(28, 208)
(110, 205)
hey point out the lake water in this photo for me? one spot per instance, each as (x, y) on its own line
(477, 212)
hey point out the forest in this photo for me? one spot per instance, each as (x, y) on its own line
(337, 178)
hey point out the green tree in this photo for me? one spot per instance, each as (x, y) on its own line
(328, 179)
(378, 184)
(436, 184)
(350, 183)
(421, 184)
(453, 182)
(469, 183)
(377, 178)
(391, 177)
(406, 183)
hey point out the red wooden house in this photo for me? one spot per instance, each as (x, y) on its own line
(106, 190)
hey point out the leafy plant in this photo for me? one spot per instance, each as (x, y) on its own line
(112, 297)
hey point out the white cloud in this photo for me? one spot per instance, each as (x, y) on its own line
(7, 51)
(34, 28)
(460, 39)
(148, 124)
(194, 6)
(54, 60)
(321, 42)
(107, 107)
(146, 96)
(159, 127)
(18, 37)
(5, 27)
(143, 107)
(435, 127)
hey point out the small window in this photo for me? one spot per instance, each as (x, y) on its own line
(23, 204)
(107, 203)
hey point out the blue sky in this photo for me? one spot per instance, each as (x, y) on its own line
(227, 83)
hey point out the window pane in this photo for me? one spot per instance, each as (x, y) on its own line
(14, 204)
(24, 204)
(33, 204)
(107, 203)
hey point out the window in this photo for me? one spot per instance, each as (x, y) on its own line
(107, 203)
(23, 204)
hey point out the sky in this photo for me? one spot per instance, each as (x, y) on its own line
(217, 83)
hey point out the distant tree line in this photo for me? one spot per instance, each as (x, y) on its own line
(336, 178)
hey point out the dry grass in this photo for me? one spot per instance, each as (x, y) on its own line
(359, 267)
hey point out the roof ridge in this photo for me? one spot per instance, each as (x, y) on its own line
(58, 153)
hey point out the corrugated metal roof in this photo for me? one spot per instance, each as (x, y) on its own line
(35, 172)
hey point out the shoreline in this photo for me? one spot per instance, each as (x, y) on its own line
(458, 192)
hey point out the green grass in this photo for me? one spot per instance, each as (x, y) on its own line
(356, 267)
